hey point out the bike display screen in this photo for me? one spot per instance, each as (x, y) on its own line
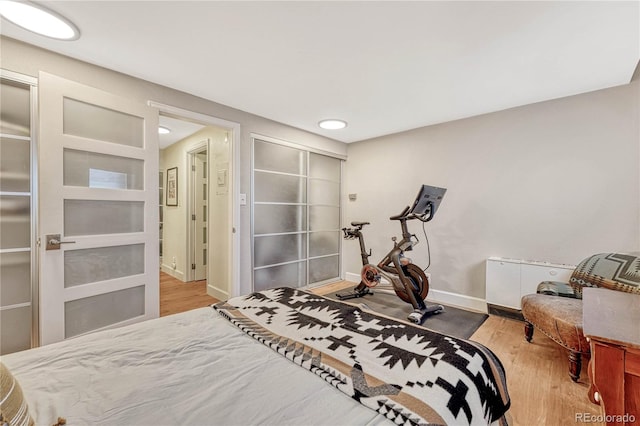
(428, 200)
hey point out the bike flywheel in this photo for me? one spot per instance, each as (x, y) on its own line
(370, 276)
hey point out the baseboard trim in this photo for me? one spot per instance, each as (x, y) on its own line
(457, 300)
(173, 272)
(440, 296)
(351, 277)
(217, 293)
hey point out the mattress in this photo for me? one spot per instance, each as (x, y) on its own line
(277, 357)
(193, 368)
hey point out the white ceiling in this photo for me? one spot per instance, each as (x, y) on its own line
(180, 129)
(384, 67)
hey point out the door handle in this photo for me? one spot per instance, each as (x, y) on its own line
(53, 242)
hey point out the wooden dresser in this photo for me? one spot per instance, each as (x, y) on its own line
(611, 323)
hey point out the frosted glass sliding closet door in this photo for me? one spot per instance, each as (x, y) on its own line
(18, 283)
(296, 216)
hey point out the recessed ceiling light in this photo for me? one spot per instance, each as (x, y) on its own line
(332, 124)
(38, 19)
(163, 130)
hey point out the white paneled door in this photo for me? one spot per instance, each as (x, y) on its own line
(98, 210)
(200, 189)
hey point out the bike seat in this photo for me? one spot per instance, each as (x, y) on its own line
(359, 223)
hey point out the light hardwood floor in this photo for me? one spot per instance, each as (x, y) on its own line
(537, 373)
(177, 296)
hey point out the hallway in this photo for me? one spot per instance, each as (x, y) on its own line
(177, 296)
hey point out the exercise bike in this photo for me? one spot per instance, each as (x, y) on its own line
(408, 280)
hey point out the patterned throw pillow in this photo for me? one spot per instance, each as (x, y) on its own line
(615, 271)
(13, 407)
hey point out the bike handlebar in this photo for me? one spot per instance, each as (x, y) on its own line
(424, 217)
(402, 215)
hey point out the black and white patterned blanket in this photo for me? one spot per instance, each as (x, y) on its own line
(409, 374)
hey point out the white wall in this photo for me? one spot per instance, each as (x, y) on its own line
(219, 199)
(553, 181)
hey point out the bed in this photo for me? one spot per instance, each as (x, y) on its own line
(276, 357)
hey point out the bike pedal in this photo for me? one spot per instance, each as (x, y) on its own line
(434, 309)
(416, 317)
(419, 315)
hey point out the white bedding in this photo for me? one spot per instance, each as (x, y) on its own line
(193, 368)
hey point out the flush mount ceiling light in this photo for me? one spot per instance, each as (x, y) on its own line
(163, 130)
(38, 19)
(332, 124)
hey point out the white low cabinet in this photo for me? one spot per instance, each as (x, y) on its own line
(507, 280)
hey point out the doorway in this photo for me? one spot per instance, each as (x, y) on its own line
(199, 239)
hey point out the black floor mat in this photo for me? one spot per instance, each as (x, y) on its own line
(453, 321)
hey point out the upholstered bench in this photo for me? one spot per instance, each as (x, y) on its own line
(556, 309)
(561, 320)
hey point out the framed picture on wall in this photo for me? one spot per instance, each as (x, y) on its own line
(172, 187)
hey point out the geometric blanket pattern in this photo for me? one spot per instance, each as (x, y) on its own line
(616, 271)
(411, 375)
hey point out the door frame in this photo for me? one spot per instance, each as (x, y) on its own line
(204, 144)
(233, 226)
